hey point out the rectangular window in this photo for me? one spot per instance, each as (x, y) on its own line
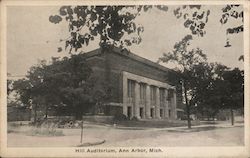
(153, 94)
(142, 92)
(162, 93)
(131, 88)
(170, 94)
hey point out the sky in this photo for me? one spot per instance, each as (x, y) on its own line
(31, 37)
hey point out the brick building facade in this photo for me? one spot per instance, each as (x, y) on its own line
(138, 87)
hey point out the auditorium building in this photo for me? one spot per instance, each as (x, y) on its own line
(137, 87)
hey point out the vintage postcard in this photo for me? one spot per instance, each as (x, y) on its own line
(124, 78)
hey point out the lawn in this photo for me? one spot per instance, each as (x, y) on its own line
(155, 124)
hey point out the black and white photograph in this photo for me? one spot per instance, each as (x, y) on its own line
(124, 79)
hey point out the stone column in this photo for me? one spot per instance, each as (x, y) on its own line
(166, 113)
(137, 100)
(147, 108)
(173, 110)
(125, 95)
(157, 103)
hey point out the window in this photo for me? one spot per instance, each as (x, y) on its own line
(142, 92)
(170, 94)
(131, 88)
(162, 93)
(153, 94)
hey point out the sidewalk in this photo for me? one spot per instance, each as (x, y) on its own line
(183, 128)
(199, 127)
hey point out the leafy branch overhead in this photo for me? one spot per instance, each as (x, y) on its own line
(232, 12)
(195, 18)
(115, 25)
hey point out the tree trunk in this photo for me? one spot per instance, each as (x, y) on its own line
(81, 131)
(187, 107)
(46, 112)
(232, 116)
(35, 114)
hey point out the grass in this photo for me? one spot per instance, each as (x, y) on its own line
(13, 128)
(196, 129)
(154, 123)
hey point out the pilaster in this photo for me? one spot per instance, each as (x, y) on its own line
(147, 108)
(173, 114)
(174, 105)
(125, 96)
(137, 100)
(157, 103)
(166, 112)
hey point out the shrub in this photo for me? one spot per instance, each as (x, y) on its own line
(134, 119)
(120, 117)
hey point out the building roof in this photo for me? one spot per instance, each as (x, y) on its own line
(131, 56)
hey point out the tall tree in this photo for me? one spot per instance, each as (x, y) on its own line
(66, 82)
(186, 60)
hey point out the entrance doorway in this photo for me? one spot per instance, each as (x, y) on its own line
(152, 112)
(161, 113)
(129, 111)
(141, 112)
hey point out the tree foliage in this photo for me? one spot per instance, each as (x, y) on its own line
(9, 86)
(113, 25)
(64, 83)
(208, 88)
(233, 96)
(232, 12)
(184, 57)
(195, 18)
(188, 62)
(226, 92)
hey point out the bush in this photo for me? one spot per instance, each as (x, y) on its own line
(57, 122)
(120, 117)
(134, 119)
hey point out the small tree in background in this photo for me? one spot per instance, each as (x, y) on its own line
(209, 89)
(233, 97)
